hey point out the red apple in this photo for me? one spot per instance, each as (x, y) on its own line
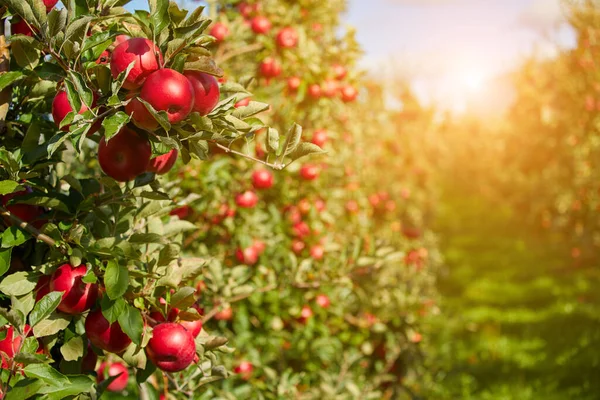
(339, 71)
(305, 314)
(165, 90)
(194, 327)
(61, 107)
(106, 336)
(206, 91)
(323, 301)
(247, 256)
(25, 212)
(145, 55)
(244, 369)
(163, 163)
(182, 212)
(330, 88)
(11, 344)
(50, 4)
(120, 39)
(171, 348)
(270, 68)
(78, 296)
(259, 245)
(309, 172)
(20, 28)
(319, 137)
(88, 363)
(262, 179)
(42, 287)
(125, 156)
(352, 206)
(301, 229)
(317, 252)
(320, 205)
(298, 246)
(242, 103)
(287, 38)
(248, 199)
(314, 91)
(104, 57)
(219, 31)
(114, 369)
(293, 83)
(260, 25)
(349, 93)
(225, 314)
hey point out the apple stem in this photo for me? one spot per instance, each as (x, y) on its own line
(235, 299)
(276, 166)
(16, 221)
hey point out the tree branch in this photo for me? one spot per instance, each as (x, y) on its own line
(276, 166)
(16, 221)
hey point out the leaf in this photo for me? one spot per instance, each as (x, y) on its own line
(25, 388)
(44, 307)
(178, 226)
(113, 124)
(204, 64)
(305, 149)
(116, 280)
(4, 260)
(146, 238)
(57, 20)
(54, 323)
(72, 95)
(77, 28)
(24, 303)
(8, 78)
(22, 8)
(181, 271)
(39, 11)
(160, 117)
(253, 108)
(159, 15)
(19, 283)
(14, 317)
(47, 374)
(135, 356)
(292, 140)
(7, 187)
(73, 349)
(132, 324)
(183, 298)
(273, 139)
(84, 92)
(78, 384)
(14, 236)
(112, 309)
(25, 53)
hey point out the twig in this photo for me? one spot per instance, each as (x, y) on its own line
(16, 221)
(239, 51)
(235, 299)
(276, 166)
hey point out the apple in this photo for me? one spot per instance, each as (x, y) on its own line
(323, 301)
(20, 28)
(309, 172)
(163, 163)
(293, 83)
(106, 336)
(416, 337)
(225, 314)
(298, 246)
(262, 179)
(245, 9)
(125, 156)
(171, 348)
(314, 91)
(259, 245)
(320, 205)
(114, 369)
(304, 206)
(61, 107)
(78, 296)
(165, 90)
(25, 212)
(11, 344)
(242, 103)
(219, 31)
(270, 68)
(42, 287)
(143, 53)
(194, 327)
(206, 91)
(88, 363)
(305, 314)
(374, 199)
(260, 25)
(330, 88)
(339, 71)
(349, 93)
(248, 199)
(319, 137)
(317, 252)
(104, 57)
(120, 39)
(248, 256)
(182, 212)
(301, 229)
(352, 206)
(287, 38)
(244, 369)
(50, 4)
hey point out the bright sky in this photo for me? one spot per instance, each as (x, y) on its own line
(451, 49)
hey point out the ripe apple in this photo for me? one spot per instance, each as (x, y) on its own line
(317, 252)
(194, 327)
(260, 25)
(206, 91)
(301, 229)
(104, 57)
(242, 103)
(270, 68)
(244, 369)
(349, 93)
(114, 369)
(248, 256)
(320, 205)
(78, 296)
(309, 172)
(88, 363)
(182, 212)
(11, 344)
(219, 31)
(50, 4)
(143, 53)
(125, 156)
(225, 314)
(42, 287)
(248, 199)
(330, 88)
(319, 137)
(314, 91)
(163, 163)
(25, 212)
(352, 206)
(171, 348)
(305, 314)
(120, 39)
(61, 107)
(293, 83)
(106, 336)
(323, 301)
(20, 28)
(339, 71)
(298, 246)
(165, 90)
(287, 38)
(262, 179)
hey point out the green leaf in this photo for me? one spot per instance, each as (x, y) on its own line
(23, 303)
(19, 283)
(25, 53)
(159, 15)
(73, 96)
(25, 388)
(273, 139)
(132, 324)
(14, 236)
(54, 323)
(253, 108)
(14, 317)
(77, 28)
(116, 280)
(56, 141)
(7, 187)
(78, 384)
(146, 238)
(22, 8)
(204, 64)
(161, 117)
(178, 226)
(47, 374)
(73, 349)
(113, 124)
(112, 309)
(44, 307)
(8, 78)
(57, 20)
(4, 260)
(305, 149)
(39, 11)
(292, 139)
(84, 92)
(183, 298)
(135, 356)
